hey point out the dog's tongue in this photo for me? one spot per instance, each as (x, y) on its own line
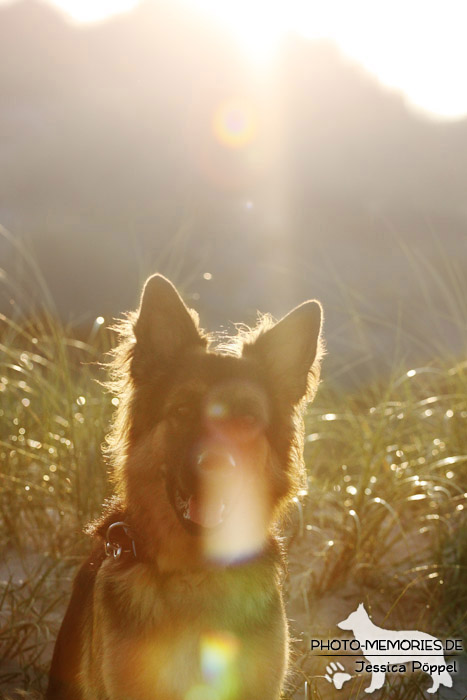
(206, 512)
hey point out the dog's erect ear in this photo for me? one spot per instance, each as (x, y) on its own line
(289, 349)
(164, 326)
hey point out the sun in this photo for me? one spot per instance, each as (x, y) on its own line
(257, 25)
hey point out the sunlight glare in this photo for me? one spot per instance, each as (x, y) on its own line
(417, 47)
(257, 25)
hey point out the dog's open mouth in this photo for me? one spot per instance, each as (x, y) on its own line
(207, 510)
(203, 502)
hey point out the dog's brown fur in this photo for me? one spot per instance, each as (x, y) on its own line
(199, 436)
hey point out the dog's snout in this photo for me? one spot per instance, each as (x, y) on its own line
(215, 460)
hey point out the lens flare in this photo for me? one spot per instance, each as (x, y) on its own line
(218, 661)
(219, 651)
(244, 528)
(202, 692)
(217, 410)
(235, 123)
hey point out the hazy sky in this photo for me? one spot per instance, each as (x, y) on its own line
(415, 46)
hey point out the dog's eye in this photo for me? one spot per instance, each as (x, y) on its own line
(181, 410)
(248, 421)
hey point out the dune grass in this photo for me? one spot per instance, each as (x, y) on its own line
(383, 521)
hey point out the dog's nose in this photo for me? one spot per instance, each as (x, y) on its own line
(214, 460)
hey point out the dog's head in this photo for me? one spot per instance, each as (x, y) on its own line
(208, 443)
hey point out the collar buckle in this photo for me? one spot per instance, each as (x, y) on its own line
(115, 544)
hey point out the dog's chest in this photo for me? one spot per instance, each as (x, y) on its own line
(176, 633)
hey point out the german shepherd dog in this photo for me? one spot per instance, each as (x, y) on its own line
(181, 597)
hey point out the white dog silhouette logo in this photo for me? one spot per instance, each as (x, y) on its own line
(404, 646)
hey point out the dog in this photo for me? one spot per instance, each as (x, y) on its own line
(181, 597)
(369, 635)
